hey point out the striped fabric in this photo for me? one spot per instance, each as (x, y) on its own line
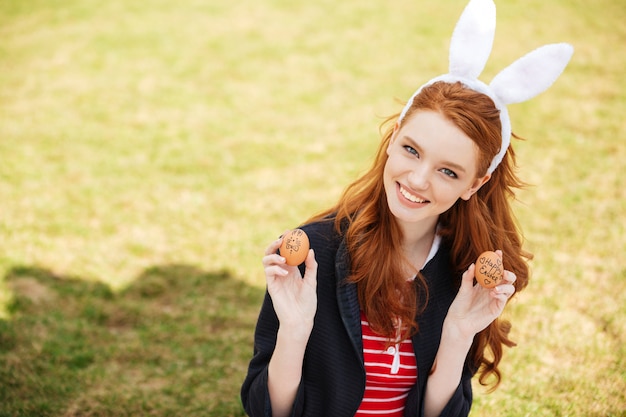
(390, 374)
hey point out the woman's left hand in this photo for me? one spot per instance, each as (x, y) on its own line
(475, 307)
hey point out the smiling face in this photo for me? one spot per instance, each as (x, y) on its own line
(431, 164)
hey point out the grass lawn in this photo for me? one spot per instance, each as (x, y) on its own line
(151, 150)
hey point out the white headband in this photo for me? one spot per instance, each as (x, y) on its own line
(525, 78)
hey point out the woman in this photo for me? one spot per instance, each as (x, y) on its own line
(384, 317)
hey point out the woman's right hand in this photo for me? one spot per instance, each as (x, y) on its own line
(294, 297)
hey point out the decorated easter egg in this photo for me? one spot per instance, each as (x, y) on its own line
(489, 270)
(295, 247)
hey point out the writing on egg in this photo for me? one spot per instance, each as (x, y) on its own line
(489, 269)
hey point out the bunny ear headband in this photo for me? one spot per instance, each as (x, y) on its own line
(525, 78)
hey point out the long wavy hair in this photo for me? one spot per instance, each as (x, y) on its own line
(484, 222)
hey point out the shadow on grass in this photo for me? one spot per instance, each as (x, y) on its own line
(175, 343)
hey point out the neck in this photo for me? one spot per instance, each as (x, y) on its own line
(417, 241)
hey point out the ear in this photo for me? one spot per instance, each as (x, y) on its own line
(478, 182)
(396, 128)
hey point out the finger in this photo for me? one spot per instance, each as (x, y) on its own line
(310, 272)
(273, 259)
(498, 303)
(467, 280)
(273, 247)
(502, 293)
(510, 277)
(275, 271)
(506, 290)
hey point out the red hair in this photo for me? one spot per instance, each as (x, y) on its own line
(484, 222)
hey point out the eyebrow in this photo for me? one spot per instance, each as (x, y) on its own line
(453, 165)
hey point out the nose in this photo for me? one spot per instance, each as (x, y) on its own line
(419, 177)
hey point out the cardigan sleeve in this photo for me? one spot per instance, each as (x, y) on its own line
(459, 404)
(254, 390)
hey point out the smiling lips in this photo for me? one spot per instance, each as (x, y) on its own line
(413, 199)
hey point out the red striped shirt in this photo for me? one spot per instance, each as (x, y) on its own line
(390, 373)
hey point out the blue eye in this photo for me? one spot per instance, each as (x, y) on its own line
(411, 150)
(449, 173)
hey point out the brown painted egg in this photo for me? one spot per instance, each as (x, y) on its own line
(489, 270)
(295, 247)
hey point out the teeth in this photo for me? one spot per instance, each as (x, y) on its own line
(411, 197)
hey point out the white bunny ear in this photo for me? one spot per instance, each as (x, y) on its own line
(531, 74)
(472, 39)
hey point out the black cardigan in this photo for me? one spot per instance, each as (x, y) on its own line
(333, 379)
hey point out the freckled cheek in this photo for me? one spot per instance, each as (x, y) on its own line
(451, 197)
(446, 194)
(391, 169)
(397, 165)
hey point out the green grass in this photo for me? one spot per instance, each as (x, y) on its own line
(162, 346)
(151, 150)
